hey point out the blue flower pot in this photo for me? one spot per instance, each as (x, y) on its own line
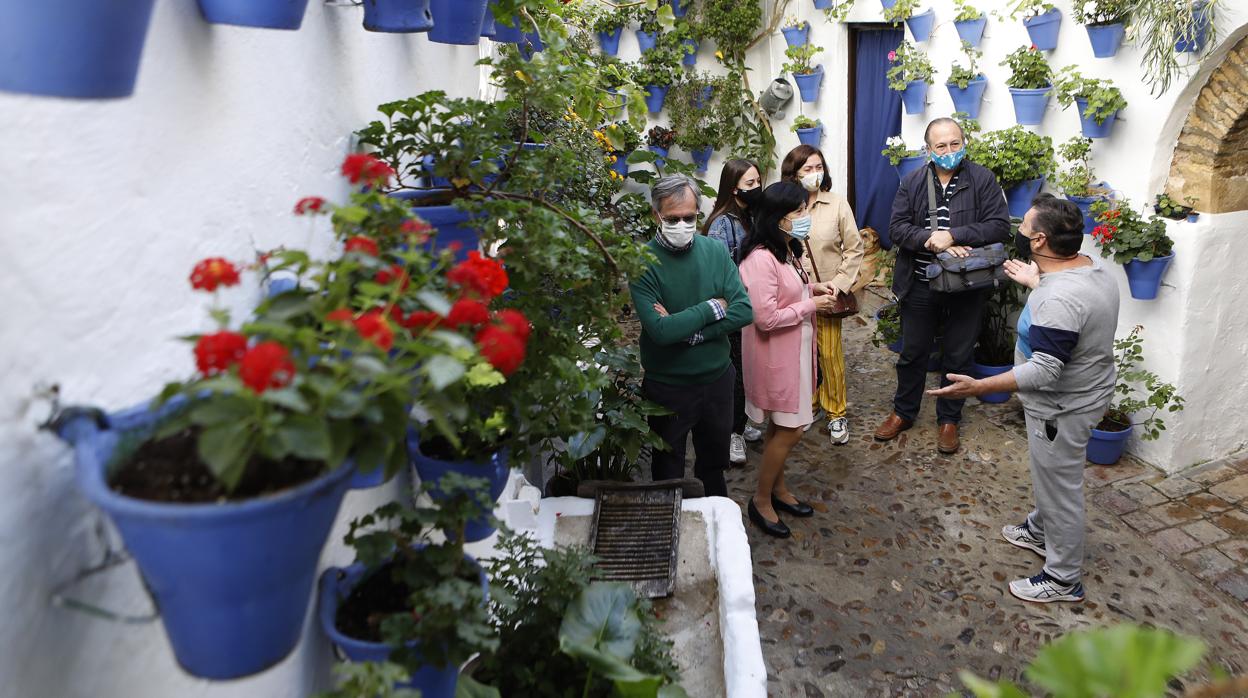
(690, 58)
(810, 136)
(1085, 206)
(681, 7)
(232, 579)
(1029, 104)
(887, 4)
(660, 155)
(450, 224)
(529, 44)
(646, 40)
(809, 84)
(266, 14)
(1106, 38)
(1194, 41)
(655, 96)
(1091, 129)
(796, 36)
(702, 158)
(458, 22)
(971, 30)
(970, 99)
(431, 470)
(921, 25)
(910, 164)
(1144, 278)
(700, 99)
(504, 34)
(1018, 198)
(610, 41)
(1193, 217)
(335, 586)
(1106, 447)
(72, 48)
(914, 97)
(400, 16)
(979, 370)
(621, 163)
(1043, 29)
(826, 4)
(489, 28)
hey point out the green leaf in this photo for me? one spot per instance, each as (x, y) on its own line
(604, 617)
(224, 448)
(286, 397)
(470, 688)
(443, 371)
(369, 365)
(350, 214)
(647, 687)
(606, 665)
(287, 306)
(347, 403)
(1125, 661)
(672, 690)
(220, 409)
(308, 436)
(983, 688)
(433, 301)
(585, 443)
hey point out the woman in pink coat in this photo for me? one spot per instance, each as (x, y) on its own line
(778, 349)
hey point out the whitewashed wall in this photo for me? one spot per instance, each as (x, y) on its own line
(104, 207)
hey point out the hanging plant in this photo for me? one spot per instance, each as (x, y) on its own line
(1092, 12)
(1027, 9)
(908, 65)
(837, 10)
(960, 75)
(733, 25)
(1014, 154)
(1028, 69)
(901, 11)
(1159, 24)
(1098, 100)
(966, 11)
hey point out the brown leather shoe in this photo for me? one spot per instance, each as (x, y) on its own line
(947, 442)
(891, 427)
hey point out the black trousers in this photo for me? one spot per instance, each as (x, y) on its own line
(706, 410)
(922, 312)
(738, 386)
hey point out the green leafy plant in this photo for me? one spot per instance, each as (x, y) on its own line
(660, 65)
(908, 64)
(1156, 26)
(800, 59)
(603, 17)
(966, 11)
(700, 119)
(792, 22)
(901, 11)
(1125, 234)
(1095, 12)
(621, 137)
(1076, 177)
(1138, 390)
(803, 121)
(732, 24)
(1026, 9)
(963, 75)
(371, 679)
(1103, 99)
(895, 150)
(997, 330)
(1014, 155)
(1028, 69)
(1167, 207)
(887, 324)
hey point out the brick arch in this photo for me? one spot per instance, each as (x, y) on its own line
(1211, 157)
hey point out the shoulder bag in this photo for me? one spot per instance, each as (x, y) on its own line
(845, 303)
(982, 268)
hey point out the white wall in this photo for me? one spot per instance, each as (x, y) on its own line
(104, 207)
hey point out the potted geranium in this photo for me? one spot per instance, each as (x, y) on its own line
(686, 36)
(1167, 207)
(1143, 248)
(659, 140)
(1076, 180)
(1030, 83)
(1106, 22)
(1020, 159)
(1042, 19)
(648, 28)
(1135, 391)
(910, 73)
(807, 75)
(809, 131)
(905, 159)
(966, 84)
(657, 71)
(970, 22)
(1098, 100)
(265, 14)
(795, 31)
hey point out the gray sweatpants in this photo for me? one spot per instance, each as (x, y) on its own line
(1058, 450)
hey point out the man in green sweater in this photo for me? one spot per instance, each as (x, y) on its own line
(688, 302)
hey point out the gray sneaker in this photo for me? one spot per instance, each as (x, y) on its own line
(752, 433)
(838, 429)
(736, 449)
(1045, 589)
(1023, 537)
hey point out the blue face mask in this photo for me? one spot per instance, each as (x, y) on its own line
(800, 229)
(949, 161)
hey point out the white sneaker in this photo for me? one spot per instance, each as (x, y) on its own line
(838, 428)
(752, 433)
(1022, 536)
(736, 449)
(1044, 589)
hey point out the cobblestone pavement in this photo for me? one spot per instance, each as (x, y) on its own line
(899, 580)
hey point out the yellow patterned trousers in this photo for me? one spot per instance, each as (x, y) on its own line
(830, 394)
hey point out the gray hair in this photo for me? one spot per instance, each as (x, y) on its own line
(669, 187)
(940, 122)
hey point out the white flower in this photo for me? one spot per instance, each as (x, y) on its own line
(895, 142)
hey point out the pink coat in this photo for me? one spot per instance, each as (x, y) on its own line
(771, 346)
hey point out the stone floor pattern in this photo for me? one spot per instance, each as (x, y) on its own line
(900, 579)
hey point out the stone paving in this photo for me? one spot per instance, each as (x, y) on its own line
(899, 581)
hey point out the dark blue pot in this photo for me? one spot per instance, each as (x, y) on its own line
(621, 163)
(1194, 41)
(610, 41)
(1018, 198)
(681, 7)
(660, 153)
(1106, 447)
(431, 470)
(1106, 39)
(910, 164)
(921, 25)
(266, 14)
(1043, 29)
(399, 16)
(826, 4)
(796, 36)
(458, 22)
(504, 34)
(702, 158)
(1193, 217)
(72, 48)
(451, 224)
(427, 164)
(979, 370)
(646, 40)
(655, 96)
(888, 4)
(690, 58)
(810, 136)
(489, 28)
(968, 100)
(530, 44)
(1029, 104)
(914, 97)
(232, 580)
(1091, 129)
(971, 30)
(809, 84)
(1144, 278)
(336, 585)
(1085, 206)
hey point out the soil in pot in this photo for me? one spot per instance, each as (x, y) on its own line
(561, 485)
(1112, 422)
(373, 600)
(169, 470)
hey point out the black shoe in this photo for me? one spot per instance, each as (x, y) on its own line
(796, 509)
(777, 529)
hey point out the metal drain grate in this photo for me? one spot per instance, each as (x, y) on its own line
(635, 535)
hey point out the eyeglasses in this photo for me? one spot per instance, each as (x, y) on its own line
(673, 220)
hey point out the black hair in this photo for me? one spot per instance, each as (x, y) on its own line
(1061, 221)
(779, 200)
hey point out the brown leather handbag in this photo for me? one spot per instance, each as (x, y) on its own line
(845, 303)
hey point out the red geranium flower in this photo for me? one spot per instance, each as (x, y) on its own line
(501, 348)
(468, 312)
(374, 327)
(361, 167)
(214, 272)
(515, 322)
(215, 353)
(479, 276)
(455, 246)
(266, 365)
(309, 204)
(340, 315)
(362, 244)
(385, 277)
(415, 226)
(421, 319)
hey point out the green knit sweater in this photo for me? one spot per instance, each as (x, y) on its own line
(682, 282)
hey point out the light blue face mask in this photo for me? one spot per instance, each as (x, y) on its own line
(801, 228)
(949, 161)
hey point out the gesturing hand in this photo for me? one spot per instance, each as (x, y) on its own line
(1024, 273)
(960, 387)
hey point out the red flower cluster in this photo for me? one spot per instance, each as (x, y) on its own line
(215, 353)
(374, 327)
(502, 346)
(361, 244)
(361, 167)
(266, 365)
(387, 276)
(479, 276)
(1104, 234)
(214, 272)
(416, 227)
(467, 311)
(309, 204)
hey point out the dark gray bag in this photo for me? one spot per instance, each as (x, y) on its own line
(983, 268)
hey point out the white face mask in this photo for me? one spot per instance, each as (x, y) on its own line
(812, 181)
(678, 234)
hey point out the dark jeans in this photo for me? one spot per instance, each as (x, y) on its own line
(706, 410)
(922, 312)
(738, 386)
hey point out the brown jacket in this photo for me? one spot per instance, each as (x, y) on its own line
(834, 242)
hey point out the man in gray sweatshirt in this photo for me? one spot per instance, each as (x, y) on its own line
(1064, 375)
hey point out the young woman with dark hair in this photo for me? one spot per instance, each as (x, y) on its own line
(778, 348)
(740, 188)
